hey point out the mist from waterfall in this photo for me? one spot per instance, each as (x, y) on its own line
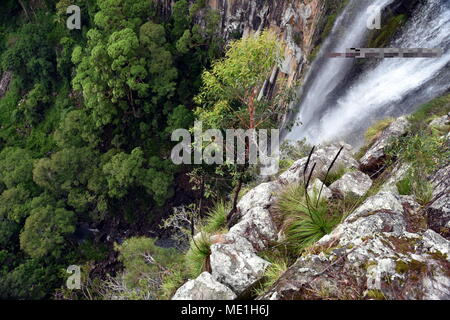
(330, 110)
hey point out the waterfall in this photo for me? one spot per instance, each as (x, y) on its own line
(334, 108)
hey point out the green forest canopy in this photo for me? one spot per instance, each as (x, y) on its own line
(86, 122)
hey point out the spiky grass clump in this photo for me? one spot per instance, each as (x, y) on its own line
(197, 258)
(217, 218)
(271, 275)
(307, 219)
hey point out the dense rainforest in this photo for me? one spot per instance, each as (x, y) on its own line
(90, 191)
(85, 130)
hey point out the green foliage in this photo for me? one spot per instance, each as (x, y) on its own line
(217, 218)
(14, 204)
(93, 251)
(404, 186)
(233, 83)
(147, 264)
(86, 123)
(416, 184)
(295, 150)
(373, 132)
(375, 294)
(31, 110)
(16, 167)
(271, 275)
(122, 171)
(30, 53)
(306, 219)
(381, 38)
(181, 118)
(76, 130)
(32, 279)
(181, 18)
(171, 282)
(44, 231)
(196, 258)
(334, 175)
(436, 107)
(8, 229)
(423, 148)
(423, 151)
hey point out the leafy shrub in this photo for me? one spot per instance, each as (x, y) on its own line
(424, 152)
(307, 220)
(171, 282)
(146, 264)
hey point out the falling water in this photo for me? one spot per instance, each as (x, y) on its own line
(330, 110)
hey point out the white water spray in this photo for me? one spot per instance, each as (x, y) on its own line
(393, 87)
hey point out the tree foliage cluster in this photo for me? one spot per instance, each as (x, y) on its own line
(85, 124)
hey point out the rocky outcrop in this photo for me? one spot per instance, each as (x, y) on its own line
(261, 196)
(316, 187)
(353, 183)
(438, 212)
(398, 173)
(257, 227)
(234, 259)
(389, 247)
(4, 82)
(441, 122)
(322, 157)
(371, 255)
(204, 288)
(235, 264)
(373, 160)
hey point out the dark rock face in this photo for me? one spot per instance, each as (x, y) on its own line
(402, 6)
(438, 212)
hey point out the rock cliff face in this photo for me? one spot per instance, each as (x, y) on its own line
(388, 247)
(295, 21)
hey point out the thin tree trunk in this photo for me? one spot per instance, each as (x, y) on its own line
(24, 8)
(237, 190)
